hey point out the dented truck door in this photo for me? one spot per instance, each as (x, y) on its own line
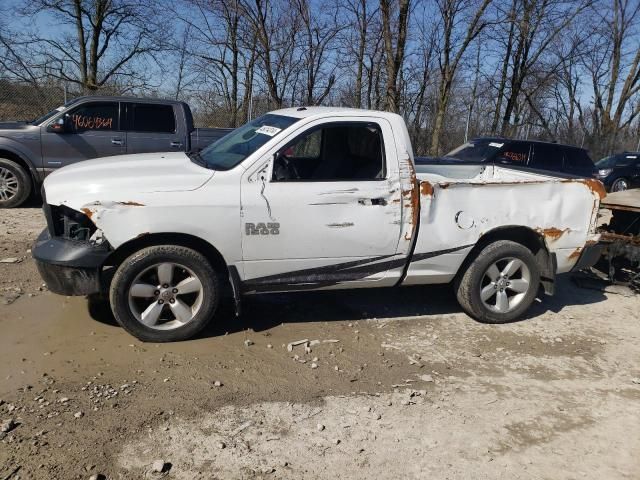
(319, 210)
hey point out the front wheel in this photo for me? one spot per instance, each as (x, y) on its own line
(15, 184)
(164, 293)
(500, 284)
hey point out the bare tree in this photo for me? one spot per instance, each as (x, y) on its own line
(508, 48)
(276, 31)
(538, 68)
(394, 32)
(104, 38)
(14, 59)
(419, 84)
(374, 73)
(537, 23)
(182, 49)
(614, 67)
(249, 73)
(454, 43)
(319, 31)
(362, 18)
(217, 43)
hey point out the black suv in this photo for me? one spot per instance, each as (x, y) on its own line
(553, 157)
(620, 171)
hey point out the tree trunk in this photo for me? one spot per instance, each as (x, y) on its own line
(441, 111)
(82, 42)
(505, 68)
(394, 55)
(362, 42)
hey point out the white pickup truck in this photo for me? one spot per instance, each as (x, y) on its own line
(307, 199)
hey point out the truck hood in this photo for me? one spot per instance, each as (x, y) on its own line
(124, 176)
(17, 125)
(15, 129)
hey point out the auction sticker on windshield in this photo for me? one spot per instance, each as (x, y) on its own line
(496, 145)
(267, 130)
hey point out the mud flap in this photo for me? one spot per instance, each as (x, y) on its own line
(234, 280)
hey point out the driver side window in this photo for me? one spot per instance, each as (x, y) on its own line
(307, 147)
(94, 116)
(336, 152)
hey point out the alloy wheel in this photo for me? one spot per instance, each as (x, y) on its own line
(619, 185)
(8, 184)
(505, 284)
(166, 296)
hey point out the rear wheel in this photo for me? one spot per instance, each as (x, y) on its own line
(500, 284)
(164, 293)
(620, 185)
(15, 184)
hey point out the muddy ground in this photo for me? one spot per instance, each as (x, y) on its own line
(412, 388)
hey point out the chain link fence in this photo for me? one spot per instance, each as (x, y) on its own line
(22, 101)
(26, 102)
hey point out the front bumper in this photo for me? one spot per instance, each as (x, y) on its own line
(69, 267)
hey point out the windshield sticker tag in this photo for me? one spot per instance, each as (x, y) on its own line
(496, 145)
(632, 156)
(266, 130)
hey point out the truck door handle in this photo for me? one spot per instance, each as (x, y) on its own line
(117, 141)
(176, 144)
(373, 201)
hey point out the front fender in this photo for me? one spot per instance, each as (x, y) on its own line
(31, 158)
(124, 222)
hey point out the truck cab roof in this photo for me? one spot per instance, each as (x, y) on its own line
(306, 112)
(109, 98)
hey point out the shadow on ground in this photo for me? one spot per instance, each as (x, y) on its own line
(263, 312)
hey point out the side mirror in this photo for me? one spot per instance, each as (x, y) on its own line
(59, 126)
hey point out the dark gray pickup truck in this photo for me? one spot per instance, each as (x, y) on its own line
(92, 127)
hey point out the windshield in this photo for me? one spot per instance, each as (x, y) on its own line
(55, 111)
(616, 161)
(606, 162)
(233, 148)
(47, 116)
(475, 151)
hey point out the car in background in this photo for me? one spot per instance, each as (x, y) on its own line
(93, 127)
(552, 157)
(619, 172)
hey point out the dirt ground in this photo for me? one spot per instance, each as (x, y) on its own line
(408, 387)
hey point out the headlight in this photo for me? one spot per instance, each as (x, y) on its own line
(71, 224)
(604, 172)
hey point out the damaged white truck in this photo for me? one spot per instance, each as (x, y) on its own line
(307, 199)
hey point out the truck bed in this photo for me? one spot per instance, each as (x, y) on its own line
(459, 204)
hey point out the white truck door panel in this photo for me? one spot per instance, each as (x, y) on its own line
(309, 226)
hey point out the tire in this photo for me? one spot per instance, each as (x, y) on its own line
(155, 310)
(520, 286)
(15, 184)
(620, 185)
